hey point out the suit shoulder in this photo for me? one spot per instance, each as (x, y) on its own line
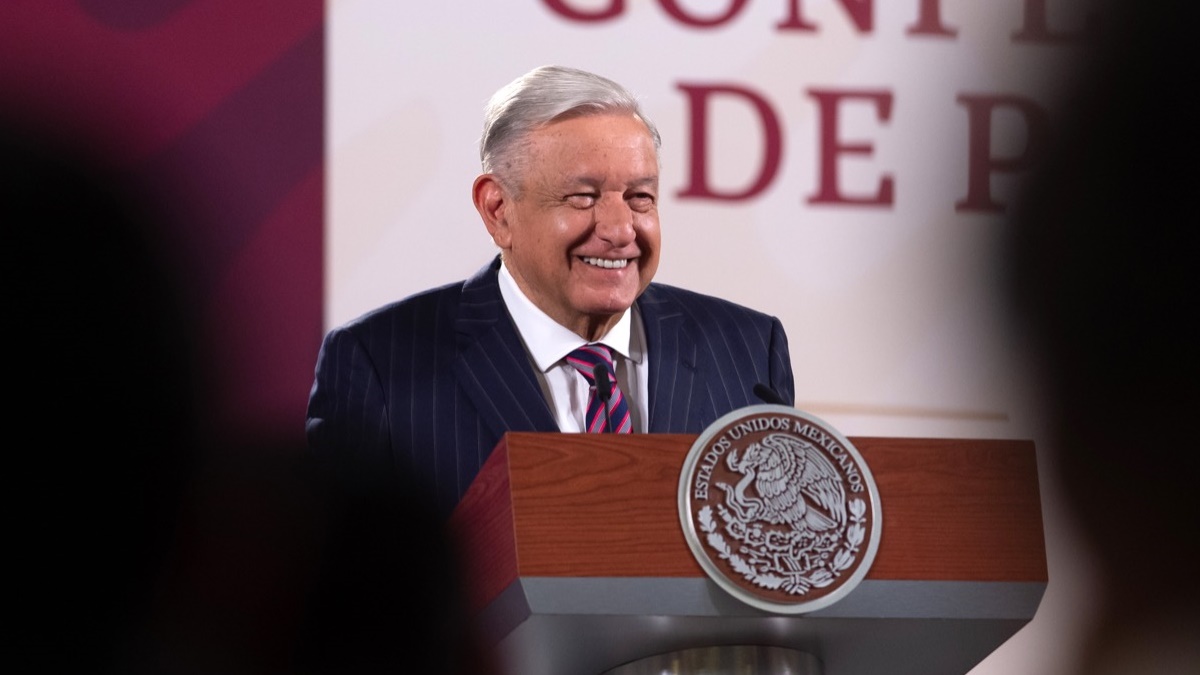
(433, 306)
(700, 305)
(415, 310)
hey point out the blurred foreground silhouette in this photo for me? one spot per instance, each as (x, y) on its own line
(1104, 280)
(147, 539)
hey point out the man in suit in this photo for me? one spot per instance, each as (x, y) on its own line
(569, 194)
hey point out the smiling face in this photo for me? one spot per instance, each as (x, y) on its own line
(580, 235)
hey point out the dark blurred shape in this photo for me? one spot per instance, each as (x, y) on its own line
(388, 596)
(1104, 277)
(147, 538)
(100, 398)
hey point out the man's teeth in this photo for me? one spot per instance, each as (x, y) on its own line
(606, 263)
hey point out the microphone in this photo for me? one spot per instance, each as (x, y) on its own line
(768, 395)
(604, 391)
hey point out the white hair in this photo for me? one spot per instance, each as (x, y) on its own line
(539, 97)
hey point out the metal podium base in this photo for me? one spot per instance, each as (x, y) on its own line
(724, 660)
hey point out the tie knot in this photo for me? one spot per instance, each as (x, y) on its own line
(606, 409)
(586, 358)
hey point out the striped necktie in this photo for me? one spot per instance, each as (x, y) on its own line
(585, 359)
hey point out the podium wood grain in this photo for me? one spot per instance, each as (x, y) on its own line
(590, 505)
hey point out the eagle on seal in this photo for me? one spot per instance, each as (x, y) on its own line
(795, 483)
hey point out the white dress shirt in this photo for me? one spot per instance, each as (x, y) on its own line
(548, 343)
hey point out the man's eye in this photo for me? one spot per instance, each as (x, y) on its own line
(582, 201)
(641, 201)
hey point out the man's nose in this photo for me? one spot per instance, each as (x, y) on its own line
(614, 220)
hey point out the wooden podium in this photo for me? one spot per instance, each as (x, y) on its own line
(577, 562)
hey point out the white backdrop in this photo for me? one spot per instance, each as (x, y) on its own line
(891, 309)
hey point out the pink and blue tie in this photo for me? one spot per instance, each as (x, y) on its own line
(585, 359)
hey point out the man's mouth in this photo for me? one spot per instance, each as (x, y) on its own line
(606, 263)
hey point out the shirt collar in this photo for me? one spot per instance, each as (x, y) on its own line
(547, 341)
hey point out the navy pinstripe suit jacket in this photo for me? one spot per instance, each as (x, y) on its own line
(431, 383)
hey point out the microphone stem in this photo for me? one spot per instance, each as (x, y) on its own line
(604, 391)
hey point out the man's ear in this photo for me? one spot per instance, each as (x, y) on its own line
(491, 201)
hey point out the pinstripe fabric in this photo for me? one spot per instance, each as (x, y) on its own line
(431, 383)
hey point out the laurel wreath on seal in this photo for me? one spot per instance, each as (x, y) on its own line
(770, 576)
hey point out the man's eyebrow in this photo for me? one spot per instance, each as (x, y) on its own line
(570, 182)
(650, 181)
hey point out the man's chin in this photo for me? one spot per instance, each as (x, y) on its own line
(611, 306)
(606, 314)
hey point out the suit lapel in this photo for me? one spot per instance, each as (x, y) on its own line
(495, 373)
(675, 397)
(492, 366)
